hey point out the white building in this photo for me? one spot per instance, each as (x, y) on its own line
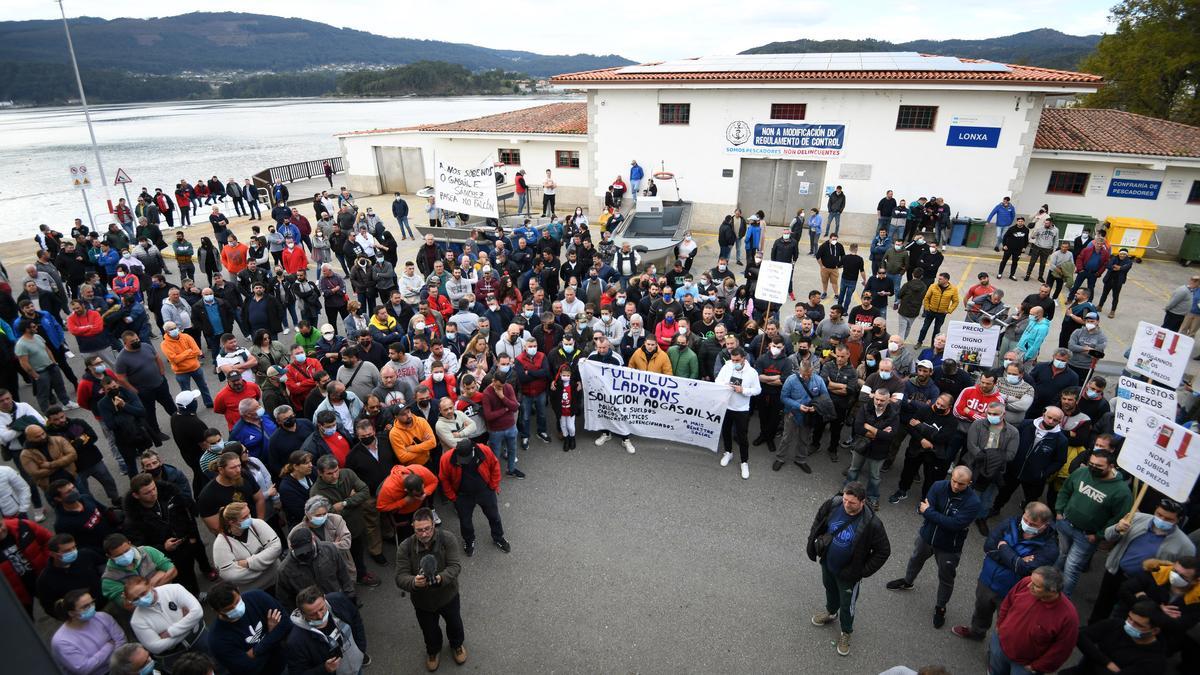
(779, 132)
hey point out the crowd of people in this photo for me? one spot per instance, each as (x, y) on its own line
(398, 387)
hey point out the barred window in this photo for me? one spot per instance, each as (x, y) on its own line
(1067, 182)
(788, 111)
(674, 113)
(916, 117)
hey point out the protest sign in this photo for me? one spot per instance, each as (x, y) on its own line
(1163, 455)
(971, 344)
(466, 189)
(627, 401)
(1136, 399)
(774, 280)
(1159, 354)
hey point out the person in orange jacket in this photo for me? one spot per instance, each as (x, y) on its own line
(650, 358)
(234, 256)
(411, 437)
(406, 489)
(473, 458)
(184, 355)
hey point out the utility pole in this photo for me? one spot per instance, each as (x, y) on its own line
(86, 112)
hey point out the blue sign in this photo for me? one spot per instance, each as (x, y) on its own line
(974, 137)
(800, 136)
(1134, 189)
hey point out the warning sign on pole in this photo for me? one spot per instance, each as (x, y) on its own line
(79, 177)
(1163, 454)
(1159, 354)
(122, 178)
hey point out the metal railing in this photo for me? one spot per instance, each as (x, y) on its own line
(290, 173)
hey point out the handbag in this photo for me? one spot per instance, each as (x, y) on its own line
(823, 403)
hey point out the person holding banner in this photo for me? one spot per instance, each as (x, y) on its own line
(744, 381)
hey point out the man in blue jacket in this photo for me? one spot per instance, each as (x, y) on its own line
(946, 512)
(797, 395)
(1041, 452)
(636, 174)
(249, 634)
(1005, 214)
(1013, 550)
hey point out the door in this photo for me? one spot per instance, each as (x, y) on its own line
(780, 187)
(389, 164)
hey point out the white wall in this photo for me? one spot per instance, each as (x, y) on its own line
(1169, 214)
(912, 163)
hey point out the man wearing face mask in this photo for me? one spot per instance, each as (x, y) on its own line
(141, 366)
(68, 568)
(166, 620)
(1126, 643)
(184, 355)
(250, 632)
(1041, 450)
(126, 561)
(1154, 537)
(311, 562)
(1049, 379)
(1086, 345)
(327, 635)
(1093, 499)
(773, 368)
(1174, 588)
(990, 444)
(1012, 551)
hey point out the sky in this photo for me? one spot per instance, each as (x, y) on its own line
(642, 31)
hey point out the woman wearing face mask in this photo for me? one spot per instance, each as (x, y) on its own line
(328, 527)
(87, 638)
(247, 550)
(320, 248)
(268, 352)
(295, 482)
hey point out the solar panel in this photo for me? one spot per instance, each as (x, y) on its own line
(812, 62)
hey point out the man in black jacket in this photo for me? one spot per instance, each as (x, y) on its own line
(834, 207)
(158, 515)
(1016, 238)
(851, 544)
(930, 429)
(328, 635)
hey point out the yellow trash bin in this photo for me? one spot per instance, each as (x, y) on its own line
(1130, 233)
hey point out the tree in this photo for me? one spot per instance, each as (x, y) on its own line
(1151, 64)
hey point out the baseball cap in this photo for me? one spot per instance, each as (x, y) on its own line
(925, 363)
(327, 331)
(185, 398)
(982, 275)
(464, 452)
(1091, 315)
(301, 541)
(277, 371)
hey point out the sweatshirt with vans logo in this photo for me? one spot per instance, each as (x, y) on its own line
(1092, 504)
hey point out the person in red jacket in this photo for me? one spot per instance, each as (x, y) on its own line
(533, 376)
(1090, 262)
(294, 260)
(972, 404)
(441, 383)
(301, 376)
(1037, 627)
(469, 476)
(235, 390)
(23, 556)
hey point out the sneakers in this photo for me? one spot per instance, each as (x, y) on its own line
(874, 504)
(628, 445)
(469, 548)
(966, 633)
(544, 436)
(775, 466)
(460, 654)
(727, 458)
(823, 619)
(939, 617)
(887, 466)
(843, 644)
(898, 496)
(431, 662)
(899, 585)
(745, 470)
(286, 330)
(71, 405)
(603, 438)
(503, 545)
(369, 580)
(1012, 277)
(1112, 313)
(39, 515)
(517, 473)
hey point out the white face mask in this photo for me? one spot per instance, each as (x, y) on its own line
(438, 377)
(1090, 326)
(683, 330)
(893, 346)
(776, 351)
(532, 351)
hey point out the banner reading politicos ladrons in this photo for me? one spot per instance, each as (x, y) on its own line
(627, 401)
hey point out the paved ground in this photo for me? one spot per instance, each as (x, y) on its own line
(664, 561)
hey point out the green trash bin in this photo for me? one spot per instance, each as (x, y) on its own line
(1065, 220)
(975, 232)
(1189, 251)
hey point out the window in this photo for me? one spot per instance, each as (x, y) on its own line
(916, 117)
(1067, 182)
(788, 111)
(1194, 194)
(674, 113)
(566, 159)
(509, 156)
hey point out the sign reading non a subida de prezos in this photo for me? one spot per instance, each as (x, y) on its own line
(466, 189)
(1159, 354)
(1162, 454)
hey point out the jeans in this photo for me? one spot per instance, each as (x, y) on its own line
(1085, 277)
(237, 206)
(999, 664)
(197, 376)
(835, 222)
(504, 444)
(406, 229)
(873, 466)
(1074, 553)
(465, 506)
(906, 324)
(840, 598)
(50, 379)
(814, 239)
(896, 280)
(737, 248)
(522, 204)
(161, 394)
(846, 292)
(883, 223)
(101, 473)
(987, 497)
(431, 628)
(724, 253)
(896, 232)
(947, 568)
(635, 186)
(934, 318)
(530, 405)
(1000, 229)
(252, 207)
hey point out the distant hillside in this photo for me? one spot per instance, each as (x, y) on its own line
(233, 41)
(1043, 47)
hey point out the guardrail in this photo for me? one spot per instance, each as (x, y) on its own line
(290, 173)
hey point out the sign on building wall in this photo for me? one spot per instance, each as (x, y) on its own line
(975, 131)
(1135, 183)
(782, 140)
(1176, 189)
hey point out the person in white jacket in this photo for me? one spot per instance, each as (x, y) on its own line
(741, 377)
(14, 417)
(14, 493)
(246, 551)
(167, 620)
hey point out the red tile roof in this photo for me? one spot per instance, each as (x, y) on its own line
(1015, 75)
(1114, 131)
(554, 118)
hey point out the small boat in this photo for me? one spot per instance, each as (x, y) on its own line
(655, 229)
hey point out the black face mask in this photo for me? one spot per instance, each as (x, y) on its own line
(367, 440)
(289, 423)
(135, 345)
(1097, 473)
